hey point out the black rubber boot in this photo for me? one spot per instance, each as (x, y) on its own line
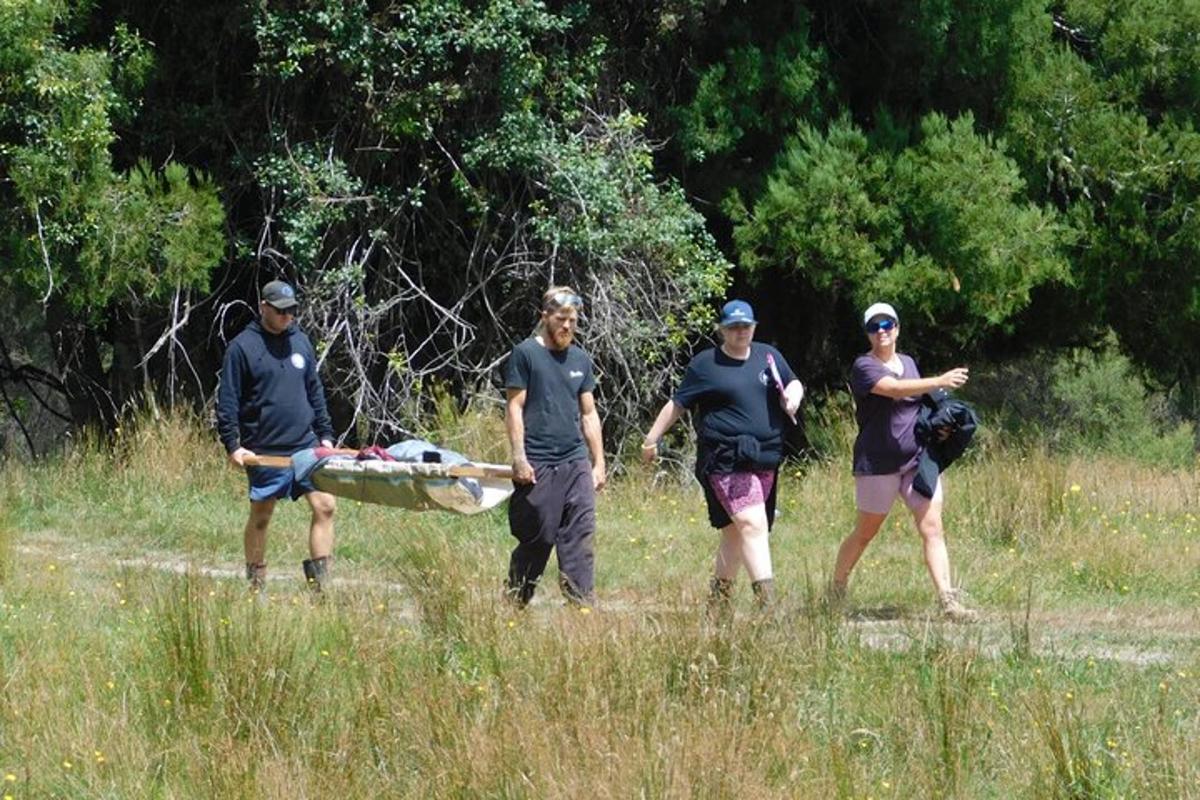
(764, 593)
(257, 575)
(316, 572)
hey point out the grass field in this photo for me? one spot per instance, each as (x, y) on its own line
(133, 664)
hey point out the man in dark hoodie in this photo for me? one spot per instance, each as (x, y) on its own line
(271, 402)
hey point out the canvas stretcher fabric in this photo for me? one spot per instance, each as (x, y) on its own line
(413, 475)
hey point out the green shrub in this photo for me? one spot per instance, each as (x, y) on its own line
(1082, 401)
(829, 425)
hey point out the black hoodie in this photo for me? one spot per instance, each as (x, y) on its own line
(270, 399)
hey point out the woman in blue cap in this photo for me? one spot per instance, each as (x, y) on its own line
(739, 393)
(887, 391)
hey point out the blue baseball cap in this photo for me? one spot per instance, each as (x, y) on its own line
(737, 312)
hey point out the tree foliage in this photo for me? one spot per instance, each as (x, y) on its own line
(82, 237)
(1012, 175)
(1109, 115)
(941, 228)
(474, 160)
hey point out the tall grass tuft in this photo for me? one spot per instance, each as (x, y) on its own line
(1166, 773)
(948, 689)
(476, 429)
(7, 504)
(185, 634)
(1024, 502)
(227, 654)
(436, 585)
(266, 667)
(1077, 772)
(1020, 630)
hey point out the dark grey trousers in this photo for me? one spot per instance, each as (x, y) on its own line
(558, 512)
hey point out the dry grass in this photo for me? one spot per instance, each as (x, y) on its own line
(122, 680)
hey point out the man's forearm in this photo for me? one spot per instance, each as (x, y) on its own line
(594, 437)
(514, 422)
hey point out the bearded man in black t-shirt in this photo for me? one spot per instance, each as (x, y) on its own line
(553, 427)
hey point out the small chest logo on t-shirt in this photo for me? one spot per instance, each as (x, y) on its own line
(297, 361)
(575, 373)
(763, 378)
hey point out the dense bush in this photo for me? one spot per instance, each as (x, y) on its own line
(1082, 401)
(1011, 175)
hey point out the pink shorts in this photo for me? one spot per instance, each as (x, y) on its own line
(875, 494)
(738, 491)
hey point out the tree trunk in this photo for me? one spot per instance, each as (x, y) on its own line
(1194, 413)
(1189, 401)
(77, 355)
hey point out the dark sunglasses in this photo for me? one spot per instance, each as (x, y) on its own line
(881, 325)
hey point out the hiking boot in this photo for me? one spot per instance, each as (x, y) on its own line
(573, 596)
(720, 598)
(519, 593)
(954, 608)
(316, 573)
(836, 597)
(764, 593)
(257, 575)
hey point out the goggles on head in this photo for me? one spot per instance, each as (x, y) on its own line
(564, 299)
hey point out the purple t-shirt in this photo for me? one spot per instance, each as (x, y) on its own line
(886, 442)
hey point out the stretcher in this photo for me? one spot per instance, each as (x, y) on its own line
(464, 487)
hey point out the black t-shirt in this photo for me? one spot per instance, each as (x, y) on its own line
(553, 381)
(734, 398)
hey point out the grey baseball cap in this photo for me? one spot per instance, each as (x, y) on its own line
(280, 295)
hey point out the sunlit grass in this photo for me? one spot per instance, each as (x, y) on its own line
(124, 679)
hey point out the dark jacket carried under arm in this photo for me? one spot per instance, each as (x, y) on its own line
(944, 428)
(270, 399)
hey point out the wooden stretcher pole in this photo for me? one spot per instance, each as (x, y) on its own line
(476, 471)
(267, 461)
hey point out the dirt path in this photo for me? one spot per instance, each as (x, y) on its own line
(1137, 636)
